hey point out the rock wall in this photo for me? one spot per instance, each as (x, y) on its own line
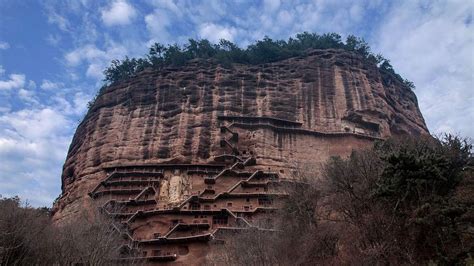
(204, 133)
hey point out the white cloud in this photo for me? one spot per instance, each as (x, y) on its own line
(247, 21)
(432, 45)
(33, 145)
(53, 39)
(214, 32)
(49, 85)
(96, 59)
(95, 71)
(119, 13)
(76, 106)
(156, 24)
(356, 12)
(271, 5)
(169, 5)
(88, 52)
(4, 109)
(31, 85)
(285, 18)
(27, 96)
(79, 103)
(34, 124)
(15, 81)
(57, 19)
(4, 45)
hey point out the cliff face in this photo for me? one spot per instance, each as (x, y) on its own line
(166, 138)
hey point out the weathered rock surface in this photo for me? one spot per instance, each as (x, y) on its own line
(173, 134)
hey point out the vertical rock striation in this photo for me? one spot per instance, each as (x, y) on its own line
(184, 155)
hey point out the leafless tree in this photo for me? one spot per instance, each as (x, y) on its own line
(402, 202)
(28, 237)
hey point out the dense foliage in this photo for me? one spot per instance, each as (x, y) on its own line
(401, 199)
(263, 51)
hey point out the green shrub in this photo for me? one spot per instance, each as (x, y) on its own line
(262, 51)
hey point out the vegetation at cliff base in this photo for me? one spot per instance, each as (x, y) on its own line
(403, 202)
(262, 51)
(28, 236)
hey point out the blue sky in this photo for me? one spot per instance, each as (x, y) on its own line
(52, 54)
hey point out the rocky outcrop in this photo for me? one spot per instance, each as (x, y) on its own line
(184, 154)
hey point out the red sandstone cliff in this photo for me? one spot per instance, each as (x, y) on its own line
(264, 118)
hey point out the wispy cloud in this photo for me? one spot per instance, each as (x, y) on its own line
(53, 39)
(32, 146)
(57, 19)
(4, 45)
(28, 96)
(157, 24)
(95, 58)
(34, 142)
(15, 81)
(49, 85)
(431, 44)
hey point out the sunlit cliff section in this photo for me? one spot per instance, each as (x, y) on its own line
(185, 155)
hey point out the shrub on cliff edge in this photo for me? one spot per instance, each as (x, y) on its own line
(262, 51)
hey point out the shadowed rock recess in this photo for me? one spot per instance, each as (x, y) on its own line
(184, 157)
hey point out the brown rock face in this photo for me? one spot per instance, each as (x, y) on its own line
(183, 156)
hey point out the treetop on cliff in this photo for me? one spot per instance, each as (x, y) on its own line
(262, 51)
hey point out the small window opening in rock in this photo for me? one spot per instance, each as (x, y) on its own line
(183, 250)
(219, 220)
